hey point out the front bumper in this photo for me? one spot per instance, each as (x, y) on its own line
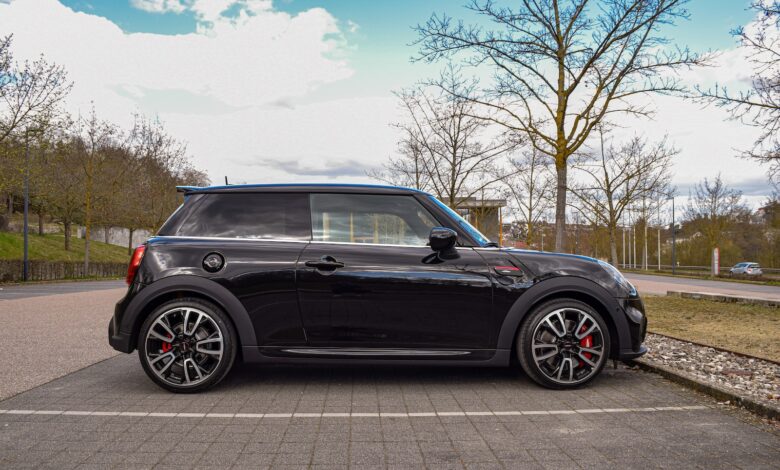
(636, 318)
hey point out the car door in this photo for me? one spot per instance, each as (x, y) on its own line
(368, 279)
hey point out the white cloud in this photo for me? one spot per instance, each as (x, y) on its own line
(229, 89)
(158, 6)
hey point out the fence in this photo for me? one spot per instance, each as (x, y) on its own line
(11, 270)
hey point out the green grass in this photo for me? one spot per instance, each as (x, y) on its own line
(52, 248)
(748, 329)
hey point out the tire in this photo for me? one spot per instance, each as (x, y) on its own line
(198, 355)
(564, 365)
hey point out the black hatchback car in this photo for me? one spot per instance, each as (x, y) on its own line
(357, 274)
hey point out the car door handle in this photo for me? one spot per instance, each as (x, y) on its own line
(325, 263)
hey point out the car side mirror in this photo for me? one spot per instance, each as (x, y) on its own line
(442, 239)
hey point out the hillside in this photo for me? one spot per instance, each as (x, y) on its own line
(51, 248)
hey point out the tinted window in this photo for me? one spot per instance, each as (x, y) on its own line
(368, 218)
(250, 215)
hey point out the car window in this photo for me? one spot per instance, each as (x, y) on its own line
(369, 218)
(250, 215)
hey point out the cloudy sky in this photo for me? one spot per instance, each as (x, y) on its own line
(300, 90)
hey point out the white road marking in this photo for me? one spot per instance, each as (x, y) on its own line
(354, 415)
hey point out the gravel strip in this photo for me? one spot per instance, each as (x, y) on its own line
(744, 376)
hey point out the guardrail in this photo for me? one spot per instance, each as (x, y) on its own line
(772, 274)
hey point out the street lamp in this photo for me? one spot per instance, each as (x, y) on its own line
(674, 236)
(26, 261)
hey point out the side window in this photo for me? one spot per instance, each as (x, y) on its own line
(250, 215)
(368, 218)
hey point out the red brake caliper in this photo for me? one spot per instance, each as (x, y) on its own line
(167, 346)
(586, 342)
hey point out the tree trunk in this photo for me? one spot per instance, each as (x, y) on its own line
(106, 234)
(560, 207)
(10, 208)
(613, 245)
(130, 242)
(40, 221)
(66, 227)
(87, 216)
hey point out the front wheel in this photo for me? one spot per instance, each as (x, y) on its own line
(187, 345)
(563, 343)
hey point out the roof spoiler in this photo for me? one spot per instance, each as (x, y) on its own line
(185, 189)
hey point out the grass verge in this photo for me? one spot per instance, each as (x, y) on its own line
(51, 247)
(747, 329)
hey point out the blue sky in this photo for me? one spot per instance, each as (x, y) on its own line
(301, 90)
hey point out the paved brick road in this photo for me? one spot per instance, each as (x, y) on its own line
(372, 418)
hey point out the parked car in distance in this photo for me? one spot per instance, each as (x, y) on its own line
(361, 274)
(746, 269)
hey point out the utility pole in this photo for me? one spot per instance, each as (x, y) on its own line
(26, 262)
(633, 244)
(644, 221)
(674, 241)
(658, 253)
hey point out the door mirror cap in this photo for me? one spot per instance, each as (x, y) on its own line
(442, 239)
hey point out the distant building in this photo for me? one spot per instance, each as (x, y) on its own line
(484, 214)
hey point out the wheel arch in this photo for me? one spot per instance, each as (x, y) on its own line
(576, 288)
(180, 286)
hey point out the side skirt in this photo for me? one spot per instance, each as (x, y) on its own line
(388, 356)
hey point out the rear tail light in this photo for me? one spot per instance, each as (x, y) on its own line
(135, 262)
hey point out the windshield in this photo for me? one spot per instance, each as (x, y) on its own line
(467, 227)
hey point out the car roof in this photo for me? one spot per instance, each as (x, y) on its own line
(297, 187)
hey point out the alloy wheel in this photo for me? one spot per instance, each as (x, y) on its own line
(568, 346)
(184, 346)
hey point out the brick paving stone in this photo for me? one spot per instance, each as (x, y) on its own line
(407, 435)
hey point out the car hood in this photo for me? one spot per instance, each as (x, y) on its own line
(541, 265)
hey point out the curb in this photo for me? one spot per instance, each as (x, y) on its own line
(715, 391)
(724, 298)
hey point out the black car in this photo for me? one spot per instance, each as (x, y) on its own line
(356, 274)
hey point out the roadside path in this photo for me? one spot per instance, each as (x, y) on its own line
(22, 291)
(658, 285)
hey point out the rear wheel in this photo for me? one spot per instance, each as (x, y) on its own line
(563, 343)
(187, 345)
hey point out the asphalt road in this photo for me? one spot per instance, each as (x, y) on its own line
(658, 285)
(102, 411)
(37, 289)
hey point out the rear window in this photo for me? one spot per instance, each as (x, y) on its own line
(250, 215)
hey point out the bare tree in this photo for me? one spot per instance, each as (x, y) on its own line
(618, 177)
(712, 209)
(561, 66)
(760, 105)
(446, 148)
(530, 189)
(29, 92)
(29, 95)
(94, 139)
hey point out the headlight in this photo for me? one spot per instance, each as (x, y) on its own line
(619, 278)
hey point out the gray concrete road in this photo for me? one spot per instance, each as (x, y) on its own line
(37, 289)
(111, 416)
(658, 285)
(46, 337)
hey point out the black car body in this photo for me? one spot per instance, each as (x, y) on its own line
(346, 273)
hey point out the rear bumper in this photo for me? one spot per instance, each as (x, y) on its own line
(120, 340)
